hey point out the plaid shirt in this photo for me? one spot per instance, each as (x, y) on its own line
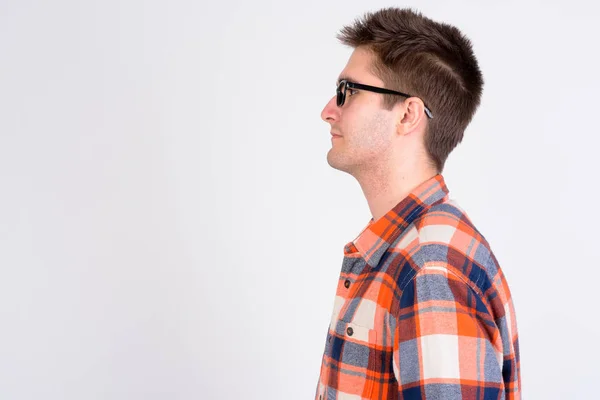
(422, 310)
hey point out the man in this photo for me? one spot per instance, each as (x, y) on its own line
(422, 309)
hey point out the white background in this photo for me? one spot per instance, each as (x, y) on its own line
(170, 228)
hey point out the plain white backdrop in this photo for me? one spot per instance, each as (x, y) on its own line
(169, 225)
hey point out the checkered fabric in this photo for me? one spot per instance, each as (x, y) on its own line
(422, 310)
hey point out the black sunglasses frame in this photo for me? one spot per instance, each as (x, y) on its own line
(345, 84)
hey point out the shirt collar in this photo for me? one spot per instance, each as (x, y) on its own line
(378, 235)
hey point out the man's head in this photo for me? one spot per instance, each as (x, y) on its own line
(403, 51)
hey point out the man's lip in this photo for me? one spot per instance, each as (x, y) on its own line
(335, 134)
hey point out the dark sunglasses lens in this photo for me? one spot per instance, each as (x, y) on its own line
(340, 94)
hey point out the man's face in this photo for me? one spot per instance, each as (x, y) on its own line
(365, 130)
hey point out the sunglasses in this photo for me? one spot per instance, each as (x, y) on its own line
(345, 84)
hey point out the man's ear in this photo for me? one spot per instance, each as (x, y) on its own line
(411, 112)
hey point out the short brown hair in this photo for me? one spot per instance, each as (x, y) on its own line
(431, 60)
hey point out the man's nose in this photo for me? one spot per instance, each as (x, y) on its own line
(331, 111)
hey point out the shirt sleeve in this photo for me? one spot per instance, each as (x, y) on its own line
(446, 343)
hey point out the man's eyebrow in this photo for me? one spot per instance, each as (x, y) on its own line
(344, 77)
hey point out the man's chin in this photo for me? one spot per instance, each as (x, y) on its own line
(336, 163)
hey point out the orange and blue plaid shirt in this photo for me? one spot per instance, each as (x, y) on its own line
(422, 310)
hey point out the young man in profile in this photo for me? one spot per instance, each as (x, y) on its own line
(422, 309)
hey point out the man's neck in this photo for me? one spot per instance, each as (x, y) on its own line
(383, 190)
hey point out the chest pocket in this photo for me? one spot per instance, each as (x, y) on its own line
(355, 349)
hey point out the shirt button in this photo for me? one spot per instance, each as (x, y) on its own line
(347, 284)
(350, 331)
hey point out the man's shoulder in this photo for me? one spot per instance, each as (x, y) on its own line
(444, 236)
(447, 224)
